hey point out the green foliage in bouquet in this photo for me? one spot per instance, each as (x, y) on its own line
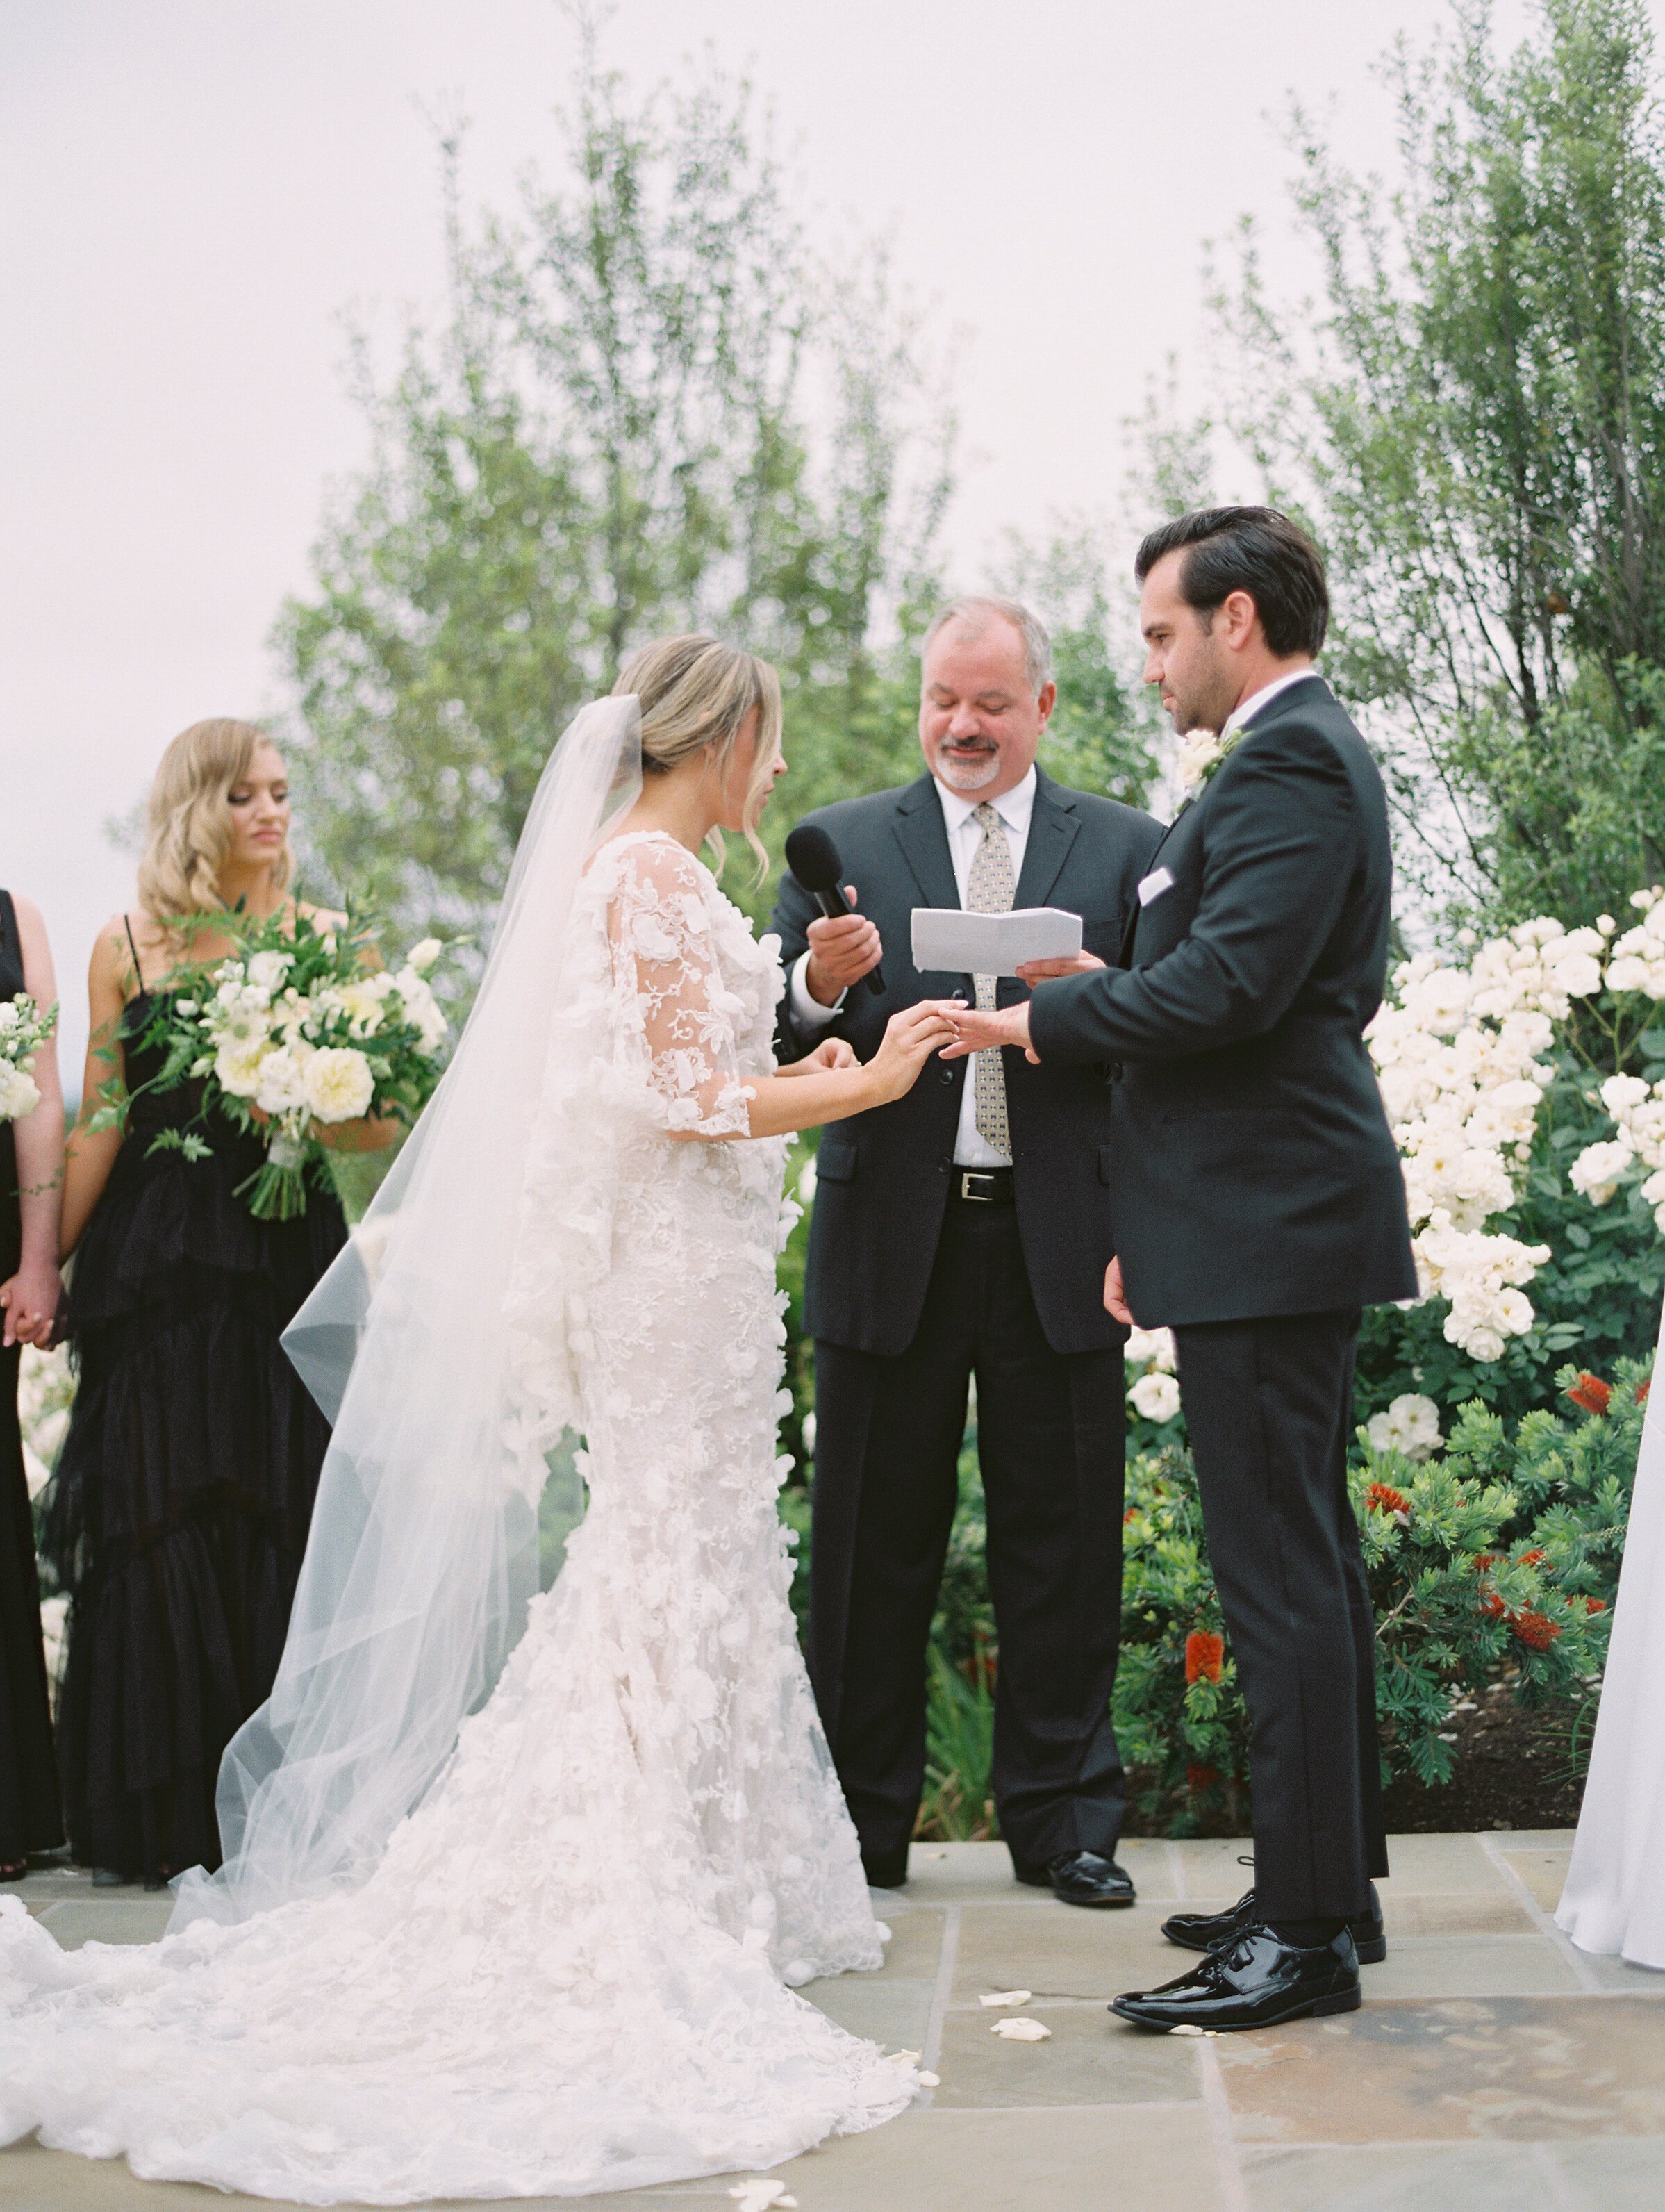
(300, 1030)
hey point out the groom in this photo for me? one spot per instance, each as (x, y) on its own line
(1258, 1206)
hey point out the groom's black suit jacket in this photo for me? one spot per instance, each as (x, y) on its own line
(1253, 1173)
(883, 1176)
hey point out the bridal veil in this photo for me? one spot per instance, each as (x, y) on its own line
(423, 1549)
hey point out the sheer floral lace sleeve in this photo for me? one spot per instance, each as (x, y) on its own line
(665, 957)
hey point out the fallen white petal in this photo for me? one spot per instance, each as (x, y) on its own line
(930, 2081)
(1021, 2031)
(1007, 1998)
(762, 2195)
(902, 2058)
(1186, 2029)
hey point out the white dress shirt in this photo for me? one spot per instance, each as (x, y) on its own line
(1267, 692)
(1014, 807)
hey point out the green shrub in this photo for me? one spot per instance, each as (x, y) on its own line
(1498, 1559)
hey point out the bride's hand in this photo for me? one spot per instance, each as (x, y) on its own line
(910, 1038)
(833, 1052)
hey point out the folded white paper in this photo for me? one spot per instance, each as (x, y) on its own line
(992, 943)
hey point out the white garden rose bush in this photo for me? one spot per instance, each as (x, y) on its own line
(1470, 1048)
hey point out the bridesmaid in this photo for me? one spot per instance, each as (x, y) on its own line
(31, 1169)
(179, 1512)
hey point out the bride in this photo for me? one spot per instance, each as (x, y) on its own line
(516, 1884)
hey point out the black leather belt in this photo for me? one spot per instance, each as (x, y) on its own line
(983, 1186)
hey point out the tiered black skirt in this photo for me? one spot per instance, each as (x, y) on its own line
(179, 1514)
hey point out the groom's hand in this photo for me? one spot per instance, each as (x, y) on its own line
(976, 1030)
(843, 948)
(1043, 971)
(1115, 1300)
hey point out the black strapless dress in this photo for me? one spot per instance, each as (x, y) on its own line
(29, 1818)
(179, 1512)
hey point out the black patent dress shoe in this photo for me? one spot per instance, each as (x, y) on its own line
(1079, 1878)
(1258, 1981)
(1206, 1931)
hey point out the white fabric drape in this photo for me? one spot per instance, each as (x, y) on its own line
(423, 1549)
(1614, 1898)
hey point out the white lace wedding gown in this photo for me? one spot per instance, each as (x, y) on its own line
(569, 1972)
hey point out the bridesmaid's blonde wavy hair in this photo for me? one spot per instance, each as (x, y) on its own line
(696, 691)
(188, 826)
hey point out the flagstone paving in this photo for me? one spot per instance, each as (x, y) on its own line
(1492, 2065)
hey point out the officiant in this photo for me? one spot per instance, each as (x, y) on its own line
(964, 1230)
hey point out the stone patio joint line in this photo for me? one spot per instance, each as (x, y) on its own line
(1569, 1950)
(947, 1960)
(1234, 2188)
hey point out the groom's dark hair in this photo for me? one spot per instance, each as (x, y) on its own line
(1253, 550)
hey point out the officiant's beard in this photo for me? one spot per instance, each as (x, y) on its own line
(970, 771)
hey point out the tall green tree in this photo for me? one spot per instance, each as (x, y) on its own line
(649, 408)
(1473, 420)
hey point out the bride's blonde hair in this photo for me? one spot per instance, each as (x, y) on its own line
(696, 691)
(188, 826)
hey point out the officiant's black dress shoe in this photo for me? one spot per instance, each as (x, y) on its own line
(1206, 1931)
(1079, 1878)
(1257, 1981)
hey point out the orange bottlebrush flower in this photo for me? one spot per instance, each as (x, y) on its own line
(1590, 1392)
(1132, 1514)
(1534, 1630)
(1383, 1497)
(1593, 1605)
(1198, 1777)
(1493, 1604)
(1642, 1390)
(1205, 1654)
(1532, 1558)
(1482, 1560)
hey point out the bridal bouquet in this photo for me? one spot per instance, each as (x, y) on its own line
(298, 1029)
(23, 1030)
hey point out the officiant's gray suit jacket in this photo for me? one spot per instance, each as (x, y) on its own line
(883, 1176)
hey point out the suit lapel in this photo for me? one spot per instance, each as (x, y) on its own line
(1052, 829)
(919, 830)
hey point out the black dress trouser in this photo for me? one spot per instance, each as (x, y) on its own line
(1050, 1439)
(1268, 1405)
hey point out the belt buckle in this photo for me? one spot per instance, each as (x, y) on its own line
(967, 1176)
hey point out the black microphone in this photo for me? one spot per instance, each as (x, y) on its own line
(813, 859)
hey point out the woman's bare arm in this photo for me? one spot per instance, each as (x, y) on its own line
(30, 1299)
(92, 1152)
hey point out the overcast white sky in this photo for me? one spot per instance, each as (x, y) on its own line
(193, 192)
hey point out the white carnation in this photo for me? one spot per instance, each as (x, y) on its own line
(281, 1087)
(422, 1008)
(339, 1086)
(268, 969)
(1155, 1397)
(1410, 1426)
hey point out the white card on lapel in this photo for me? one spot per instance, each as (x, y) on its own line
(1154, 884)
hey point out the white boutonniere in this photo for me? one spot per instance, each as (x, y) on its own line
(1200, 753)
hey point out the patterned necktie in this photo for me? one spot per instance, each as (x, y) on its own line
(990, 888)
